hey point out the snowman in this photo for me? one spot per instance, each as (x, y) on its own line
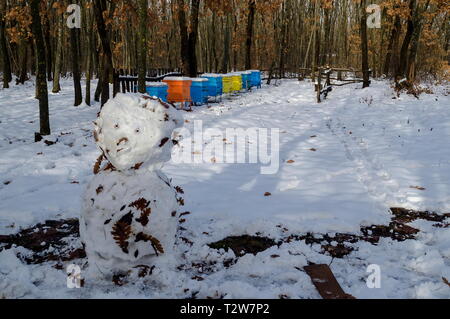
(130, 207)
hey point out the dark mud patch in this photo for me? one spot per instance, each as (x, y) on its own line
(403, 215)
(339, 245)
(244, 244)
(53, 240)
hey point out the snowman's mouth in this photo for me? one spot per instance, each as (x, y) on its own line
(123, 150)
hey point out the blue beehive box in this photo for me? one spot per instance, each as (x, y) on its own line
(199, 90)
(246, 79)
(255, 78)
(214, 84)
(158, 89)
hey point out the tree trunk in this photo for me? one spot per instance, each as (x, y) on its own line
(7, 77)
(41, 81)
(74, 43)
(98, 89)
(403, 59)
(411, 66)
(23, 57)
(326, 43)
(89, 58)
(316, 58)
(188, 39)
(142, 45)
(48, 49)
(193, 34)
(226, 45)
(364, 46)
(58, 57)
(392, 46)
(248, 42)
(283, 41)
(99, 8)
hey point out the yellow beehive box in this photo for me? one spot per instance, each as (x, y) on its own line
(227, 84)
(236, 80)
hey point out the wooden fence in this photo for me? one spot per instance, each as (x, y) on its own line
(328, 74)
(127, 80)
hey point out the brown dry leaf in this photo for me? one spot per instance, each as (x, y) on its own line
(140, 204)
(179, 190)
(446, 281)
(313, 136)
(290, 161)
(418, 187)
(97, 164)
(313, 149)
(156, 244)
(267, 194)
(99, 189)
(121, 231)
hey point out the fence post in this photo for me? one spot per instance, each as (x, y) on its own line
(328, 82)
(319, 84)
(116, 84)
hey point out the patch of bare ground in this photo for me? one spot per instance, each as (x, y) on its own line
(58, 240)
(53, 240)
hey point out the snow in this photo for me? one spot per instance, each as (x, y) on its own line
(343, 163)
(176, 78)
(212, 75)
(157, 84)
(198, 80)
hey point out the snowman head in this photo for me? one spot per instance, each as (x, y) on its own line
(135, 131)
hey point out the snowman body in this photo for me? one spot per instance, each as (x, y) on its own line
(130, 207)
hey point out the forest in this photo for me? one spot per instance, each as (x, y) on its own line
(277, 36)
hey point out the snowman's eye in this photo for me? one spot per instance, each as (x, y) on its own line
(116, 125)
(137, 130)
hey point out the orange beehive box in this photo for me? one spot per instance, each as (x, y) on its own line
(179, 89)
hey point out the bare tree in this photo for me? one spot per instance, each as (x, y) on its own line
(4, 48)
(142, 45)
(364, 46)
(41, 80)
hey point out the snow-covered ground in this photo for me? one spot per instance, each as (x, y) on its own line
(342, 164)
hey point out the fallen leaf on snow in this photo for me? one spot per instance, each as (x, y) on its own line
(267, 194)
(418, 187)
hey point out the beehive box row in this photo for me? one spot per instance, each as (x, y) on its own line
(198, 90)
